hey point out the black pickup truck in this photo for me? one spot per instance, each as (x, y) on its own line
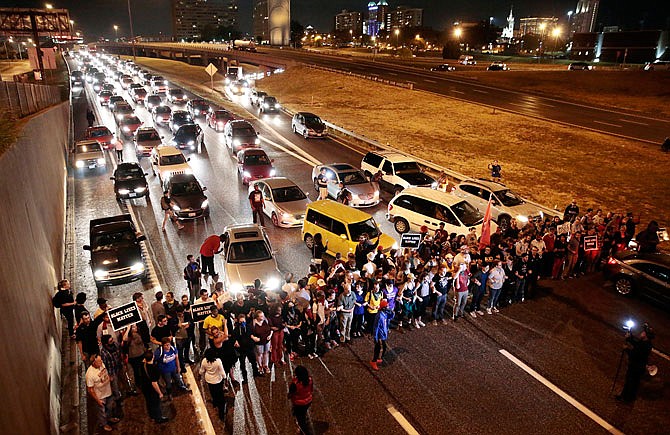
(116, 253)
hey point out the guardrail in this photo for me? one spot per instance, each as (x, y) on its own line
(405, 85)
(27, 98)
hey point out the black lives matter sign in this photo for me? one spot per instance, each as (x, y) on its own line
(124, 316)
(410, 240)
(201, 311)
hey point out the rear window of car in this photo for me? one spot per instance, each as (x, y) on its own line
(372, 159)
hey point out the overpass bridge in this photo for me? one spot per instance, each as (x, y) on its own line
(197, 54)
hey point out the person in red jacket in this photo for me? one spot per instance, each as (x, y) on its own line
(300, 392)
(210, 247)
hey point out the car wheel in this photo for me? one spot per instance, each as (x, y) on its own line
(624, 285)
(305, 134)
(503, 222)
(401, 225)
(275, 219)
(309, 241)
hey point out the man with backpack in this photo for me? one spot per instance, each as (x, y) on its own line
(167, 361)
(192, 276)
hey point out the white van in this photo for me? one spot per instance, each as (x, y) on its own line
(418, 206)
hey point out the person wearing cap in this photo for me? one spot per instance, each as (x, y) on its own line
(638, 349)
(380, 333)
(463, 257)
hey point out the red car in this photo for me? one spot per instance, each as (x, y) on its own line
(102, 135)
(217, 119)
(254, 164)
(103, 97)
(129, 124)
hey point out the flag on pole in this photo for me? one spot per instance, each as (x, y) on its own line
(485, 239)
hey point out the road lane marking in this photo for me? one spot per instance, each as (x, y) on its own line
(480, 91)
(326, 367)
(431, 81)
(525, 106)
(661, 354)
(607, 123)
(402, 421)
(633, 122)
(288, 151)
(458, 92)
(392, 74)
(565, 396)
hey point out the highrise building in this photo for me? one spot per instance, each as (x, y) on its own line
(508, 31)
(540, 26)
(347, 21)
(403, 16)
(189, 17)
(376, 18)
(584, 18)
(272, 21)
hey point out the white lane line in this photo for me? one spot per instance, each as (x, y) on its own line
(402, 421)
(392, 74)
(201, 413)
(457, 92)
(286, 150)
(431, 81)
(607, 123)
(525, 106)
(565, 396)
(326, 367)
(661, 354)
(480, 91)
(632, 122)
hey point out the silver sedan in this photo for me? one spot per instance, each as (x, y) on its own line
(364, 193)
(285, 202)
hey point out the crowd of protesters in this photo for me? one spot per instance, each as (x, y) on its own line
(364, 293)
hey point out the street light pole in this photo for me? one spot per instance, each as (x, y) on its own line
(116, 33)
(132, 35)
(397, 37)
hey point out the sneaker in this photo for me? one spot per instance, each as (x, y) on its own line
(444, 321)
(495, 310)
(454, 318)
(373, 365)
(421, 323)
(417, 325)
(434, 322)
(473, 315)
(488, 311)
(379, 361)
(334, 343)
(106, 428)
(480, 312)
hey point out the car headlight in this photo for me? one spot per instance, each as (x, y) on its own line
(287, 215)
(175, 207)
(124, 191)
(246, 174)
(197, 111)
(140, 147)
(126, 128)
(101, 161)
(433, 185)
(395, 246)
(277, 106)
(236, 288)
(266, 105)
(188, 171)
(190, 142)
(257, 141)
(137, 267)
(100, 274)
(273, 172)
(79, 163)
(272, 284)
(140, 189)
(237, 142)
(522, 218)
(205, 204)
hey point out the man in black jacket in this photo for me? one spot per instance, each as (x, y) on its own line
(364, 247)
(245, 346)
(638, 350)
(64, 300)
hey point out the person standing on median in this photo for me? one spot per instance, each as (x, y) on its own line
(257, 205)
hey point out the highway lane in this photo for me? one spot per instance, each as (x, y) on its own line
(611, 121)
(446, 378)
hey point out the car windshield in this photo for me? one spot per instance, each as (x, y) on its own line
(368, 227)
(406, 167)
(99, 132)
(115, 98)
(163, 109)
(130, 120)
(175, 159)
(89, 147)
(124, 109)
(109, 241)
(147, 135)
(352, 178)
(154, 99)
(270, 100)
(287, 194)
(466, 213)
(140, 92)
(179, 116)
(105, 94)
(188, 130)
(248, 252)
(244, 131)
(508, 198)
(313, 121)
(176, 92)
(129, 173)
(256, 160)
(186, 188)
(200, 104)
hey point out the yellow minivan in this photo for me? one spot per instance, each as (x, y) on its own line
(340, 227)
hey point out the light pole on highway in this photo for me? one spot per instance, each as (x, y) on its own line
(556, 33)
(132, 35)
(397, 37)
(116, 33)
(542, 27)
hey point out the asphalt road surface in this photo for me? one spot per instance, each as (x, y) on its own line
(610, 121)
(463, 377)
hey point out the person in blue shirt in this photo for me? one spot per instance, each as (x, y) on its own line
(380, 332)
(359, 310)
(168, 365)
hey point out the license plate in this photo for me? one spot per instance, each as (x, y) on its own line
(91, 166)
(191, 215)
(132, 195)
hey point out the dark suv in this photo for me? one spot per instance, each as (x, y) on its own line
(647, 275)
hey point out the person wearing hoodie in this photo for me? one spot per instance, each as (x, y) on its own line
(380, 332)
(496, 281)
(648, 239)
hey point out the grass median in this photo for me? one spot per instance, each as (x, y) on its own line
(543, 161)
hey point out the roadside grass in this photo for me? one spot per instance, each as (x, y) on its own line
(9, 130)
(8, 68)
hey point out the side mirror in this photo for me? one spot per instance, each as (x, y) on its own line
(272, 160)
(343, 236)
(204, 188)
(146, 173)
(141, 238)
(163, 137)
(188, 160)
(113, 133)
(87, 247)
(112, 178)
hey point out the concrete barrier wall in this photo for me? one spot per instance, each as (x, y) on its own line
(32, 215)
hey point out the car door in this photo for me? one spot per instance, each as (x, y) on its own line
(442, 213)
(654, 282)
(267, 198)
(414, 210)
(336, 242)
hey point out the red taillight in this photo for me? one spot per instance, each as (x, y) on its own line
(390, 207)
(612, 261)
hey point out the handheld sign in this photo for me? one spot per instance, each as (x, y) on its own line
(201, 311)
(590, 243)
(124, 316)
(410, 240)
(211, 70)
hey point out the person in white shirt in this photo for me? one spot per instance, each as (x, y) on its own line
(370, 267)
(538, 243)
(99, 388)
(215, 376)
(290, 287)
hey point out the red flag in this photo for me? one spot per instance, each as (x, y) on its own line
(485, 239)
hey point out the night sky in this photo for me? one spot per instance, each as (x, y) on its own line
(96, 17)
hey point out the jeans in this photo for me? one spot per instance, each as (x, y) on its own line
(104, 412)
(194, 290)
(440, 304)
(345, 325)
(520, 287)
(218, 398)
(570, 263)
(207, 265)
(477, 296)
(460, 301)
(68, 313)
(258, 216)
(183, 350)
(247, 354)
(380, 345)
(170, 377)
(493, 297)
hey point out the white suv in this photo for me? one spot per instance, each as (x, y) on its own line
(505, 204)
(247, 256)
(168, 161)
(398, 171)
